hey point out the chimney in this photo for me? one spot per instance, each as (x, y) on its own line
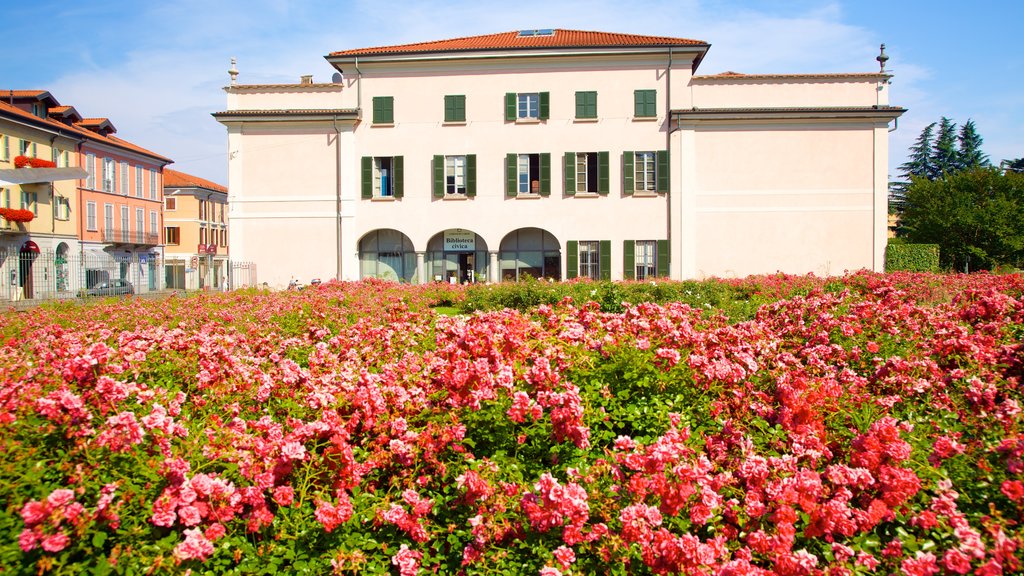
(306, 79)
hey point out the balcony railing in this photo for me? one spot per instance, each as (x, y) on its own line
(115, 236)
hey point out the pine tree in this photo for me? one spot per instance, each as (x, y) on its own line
(920, 162)
(944, 153)
(1015, 165)
(970, 155)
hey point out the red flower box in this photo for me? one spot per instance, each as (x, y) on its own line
(14, 215)
(25, 161)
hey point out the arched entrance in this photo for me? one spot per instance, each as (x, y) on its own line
(60, 267)
(530, 252)
(387, 254)
(456, 255)
(26, 257)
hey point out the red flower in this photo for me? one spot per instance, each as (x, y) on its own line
(15, 215)
(26, 161)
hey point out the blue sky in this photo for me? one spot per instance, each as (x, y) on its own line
(156, 68)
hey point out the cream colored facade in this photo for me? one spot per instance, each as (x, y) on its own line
(766, 173)
(196, 232)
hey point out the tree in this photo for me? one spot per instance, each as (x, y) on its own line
(920, 161)
(944, 153)
(969, 154)
(976, 217)
(1015, 165)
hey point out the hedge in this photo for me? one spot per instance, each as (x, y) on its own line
(912, 257)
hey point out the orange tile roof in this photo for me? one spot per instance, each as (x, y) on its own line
(512, 40)
(77, 130)
(175, 179)
(740, 76)
(24, 93)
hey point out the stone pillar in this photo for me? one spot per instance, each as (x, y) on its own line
(493, 272)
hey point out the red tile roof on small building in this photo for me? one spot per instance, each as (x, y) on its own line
(175, 179)
(515, 41)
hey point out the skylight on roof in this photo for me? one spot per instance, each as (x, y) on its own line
(540, 32)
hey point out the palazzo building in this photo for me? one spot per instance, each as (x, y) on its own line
(558, 154)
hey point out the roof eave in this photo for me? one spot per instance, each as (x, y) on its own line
(849, 113)
(514, 51)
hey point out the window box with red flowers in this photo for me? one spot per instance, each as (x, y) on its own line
(14, 215)
(28, 162)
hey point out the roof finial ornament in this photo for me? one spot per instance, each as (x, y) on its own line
(233, 72)
(882, 59)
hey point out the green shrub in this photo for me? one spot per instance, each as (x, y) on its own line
(912, 257)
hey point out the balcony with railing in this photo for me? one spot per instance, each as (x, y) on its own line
(138, 238)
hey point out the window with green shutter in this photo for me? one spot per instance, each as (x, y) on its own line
(628, 260)
(382, 177)
(605, 256)
(527, 106)
(454, 176)
(455, 108)
(645, 103)
(528, 174)
(585, 172)
(586, 105)
(572, 259)
(383, 110)
(645, 172)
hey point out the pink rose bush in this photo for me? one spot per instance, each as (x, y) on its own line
(771, 425)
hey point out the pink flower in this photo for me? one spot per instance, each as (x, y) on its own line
(34, 512)
(293, 450)
(28, 540)
(195, 546)
(189, 515)
(60, 497)
(565, 556)
(55, 542)
(1013, 489)
(956, 562)
(408, 561)
(331, 516)
(284, 495)
(923, 564)
(549, 571)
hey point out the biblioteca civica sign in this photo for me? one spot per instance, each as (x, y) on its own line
(458, 240)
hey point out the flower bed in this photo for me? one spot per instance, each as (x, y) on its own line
(30, 162)
(869, 424)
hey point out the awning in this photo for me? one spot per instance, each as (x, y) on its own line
(36, 175)
(30, 246)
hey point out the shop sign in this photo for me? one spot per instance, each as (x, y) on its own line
(458, 240)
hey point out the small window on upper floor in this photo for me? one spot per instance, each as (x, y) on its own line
(645, 103)
(586, 105)
(382, 177)
(455, 108)
(527, 106)
(171, 203)
(383, 110)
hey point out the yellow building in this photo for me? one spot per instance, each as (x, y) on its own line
(196, 232)
(38, 187)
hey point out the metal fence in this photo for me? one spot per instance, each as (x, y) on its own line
(48, 276)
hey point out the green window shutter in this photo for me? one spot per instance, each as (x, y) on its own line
(367, 165)
(438, 176)
(449, 108)
(602, 173)
(663, 258)
(627, 173)
(570, 173)
(510, 106)
(389, 109)
(455, 108)
(645, 103)
(471, 175)
(572, 259)
(378, 109)
(545, 174)
(638, 102)
(605, 256)
(545, 105)
(586, 104)
(663, 179)
(629, 259)
(398, 164)
(511, 184)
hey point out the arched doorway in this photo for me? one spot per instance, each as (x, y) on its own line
(530, 252)
(60, 267)
(456, 255)
(387, 254)
(26, 257)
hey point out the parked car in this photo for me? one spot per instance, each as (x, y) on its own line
(111, 288)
